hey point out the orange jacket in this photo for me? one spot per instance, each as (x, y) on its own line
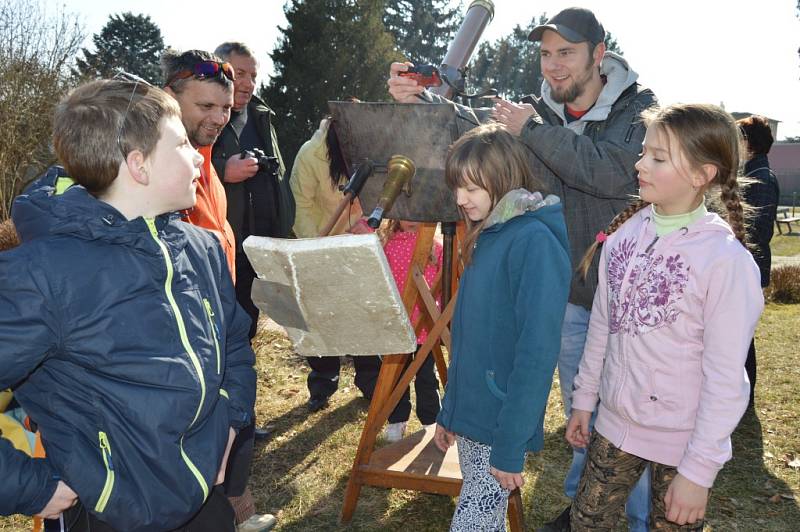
(211, 208)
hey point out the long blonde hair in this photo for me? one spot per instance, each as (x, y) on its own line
(705, 134)
(493, 159)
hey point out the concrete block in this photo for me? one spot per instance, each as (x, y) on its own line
(334, 295)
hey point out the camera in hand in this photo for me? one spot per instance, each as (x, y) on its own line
(266, 163)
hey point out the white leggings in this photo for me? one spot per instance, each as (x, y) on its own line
(482, 503)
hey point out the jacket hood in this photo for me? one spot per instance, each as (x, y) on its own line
(520, 202)
(317, 141)
(40, 212)
(756, 163)
(619, 76)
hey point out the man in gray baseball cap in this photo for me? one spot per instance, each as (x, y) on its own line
(584, 134)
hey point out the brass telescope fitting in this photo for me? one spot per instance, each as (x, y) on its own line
(401, 170)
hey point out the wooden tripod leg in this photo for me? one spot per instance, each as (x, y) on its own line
(386, 397)
(391, 369)
(516, 517)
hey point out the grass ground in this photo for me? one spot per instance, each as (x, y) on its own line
(786, 244)
(301, 471)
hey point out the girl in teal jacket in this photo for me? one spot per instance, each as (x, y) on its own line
(506, 329)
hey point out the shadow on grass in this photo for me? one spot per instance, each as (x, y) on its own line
(289, 456)
(746, 495)
(545, 498)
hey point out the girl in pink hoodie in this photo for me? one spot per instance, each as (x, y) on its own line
(677, 303)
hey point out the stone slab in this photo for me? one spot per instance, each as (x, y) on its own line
(334, 295)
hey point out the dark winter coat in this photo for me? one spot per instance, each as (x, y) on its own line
(262, 205)
(123, 341)
(762, 195)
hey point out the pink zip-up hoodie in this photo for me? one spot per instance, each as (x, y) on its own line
(671, 324)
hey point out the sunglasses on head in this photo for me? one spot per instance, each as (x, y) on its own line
(121, 75)
(204, 70)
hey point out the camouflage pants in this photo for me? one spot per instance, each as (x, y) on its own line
(608, 478)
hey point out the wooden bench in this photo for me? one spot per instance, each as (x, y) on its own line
(785, 219)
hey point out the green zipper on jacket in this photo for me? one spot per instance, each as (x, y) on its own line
(210, 315)
(105, 448)
(151, 225)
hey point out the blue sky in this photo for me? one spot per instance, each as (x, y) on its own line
(743, 55)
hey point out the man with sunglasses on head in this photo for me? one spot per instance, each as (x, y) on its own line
(203, 86)
(260, 201)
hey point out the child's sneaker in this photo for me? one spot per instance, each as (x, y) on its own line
(394, 431)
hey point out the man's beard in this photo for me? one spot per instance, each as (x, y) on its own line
(198, 139)
(574, 91)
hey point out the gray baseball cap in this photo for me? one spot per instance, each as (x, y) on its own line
(575, 24)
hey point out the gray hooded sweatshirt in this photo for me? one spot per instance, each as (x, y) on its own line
(588, 163)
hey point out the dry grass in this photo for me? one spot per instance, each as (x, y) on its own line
(786, 245)
(301, 471)
(784, 284)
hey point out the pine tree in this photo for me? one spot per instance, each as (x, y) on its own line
(330, 50)
(127, 41)
(422, 29)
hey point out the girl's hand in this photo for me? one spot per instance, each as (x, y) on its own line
(685, 501)
(578, 432)
(360, 228)
(63, 498)
(508, 481)
(443, 438)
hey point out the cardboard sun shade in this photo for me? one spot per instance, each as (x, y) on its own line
(421, 132)
(334, 295)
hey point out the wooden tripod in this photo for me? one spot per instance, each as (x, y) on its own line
(414, 463)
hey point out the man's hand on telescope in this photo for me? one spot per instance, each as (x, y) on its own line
(403, 89)
(512, 115)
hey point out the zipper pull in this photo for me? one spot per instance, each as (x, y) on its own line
(106, 448)
(211, 315)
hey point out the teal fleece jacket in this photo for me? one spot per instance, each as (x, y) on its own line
(506, 335)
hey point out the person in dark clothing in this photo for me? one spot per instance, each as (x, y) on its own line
(259, 203)
(156, 311)
(762, 194)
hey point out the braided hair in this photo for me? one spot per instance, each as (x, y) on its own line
(706, 135)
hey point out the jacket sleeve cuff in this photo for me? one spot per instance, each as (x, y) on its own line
(237, 417)
(701, 471)
(584, 401)
(45, 493)
(501, 459)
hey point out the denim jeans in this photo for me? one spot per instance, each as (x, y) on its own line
(573, 338)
